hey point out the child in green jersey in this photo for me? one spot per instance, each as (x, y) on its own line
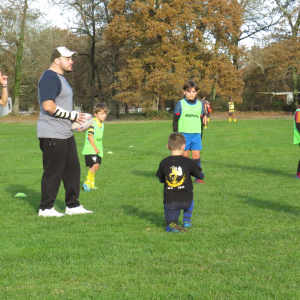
(187, 120)
(93, 148)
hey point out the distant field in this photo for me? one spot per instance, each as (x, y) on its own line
(33, 118)
(244, 245)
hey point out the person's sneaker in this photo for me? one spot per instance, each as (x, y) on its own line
(86, 187)
(297, 176)
(50, 212)
(199, 181)
(77, 210)
(187, 224)
(175, 228)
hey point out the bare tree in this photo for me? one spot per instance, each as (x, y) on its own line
(89, 19)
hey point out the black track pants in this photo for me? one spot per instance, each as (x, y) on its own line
(61, 163)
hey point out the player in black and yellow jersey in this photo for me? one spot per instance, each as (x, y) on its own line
(231, 111)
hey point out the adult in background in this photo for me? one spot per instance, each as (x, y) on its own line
(4, 94)
(60, 159)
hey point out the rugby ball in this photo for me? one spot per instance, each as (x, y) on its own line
(76, 127)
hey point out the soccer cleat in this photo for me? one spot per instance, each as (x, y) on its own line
(297, 176)
(77, 210)
(187, 224)
(86, 187)
(175, 228)
(50, 212)
(199, 181)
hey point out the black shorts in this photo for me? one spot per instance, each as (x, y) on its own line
(92, 159)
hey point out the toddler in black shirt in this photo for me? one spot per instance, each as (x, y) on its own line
(175, 172)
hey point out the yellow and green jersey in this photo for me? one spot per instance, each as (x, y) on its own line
(96, 130)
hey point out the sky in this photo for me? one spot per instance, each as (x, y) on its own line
(52, 14)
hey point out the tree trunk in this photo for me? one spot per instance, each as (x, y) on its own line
(93, 59)
(17, 85)
(213, 93)
(99, 83)
(295, 84)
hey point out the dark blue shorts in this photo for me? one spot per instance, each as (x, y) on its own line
(193, 141)
(173, 209)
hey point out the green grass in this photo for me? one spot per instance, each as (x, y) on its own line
(244, 245)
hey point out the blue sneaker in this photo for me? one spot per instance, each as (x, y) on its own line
(187, 224)
(86, 187)
(297, 176)
(175, 228)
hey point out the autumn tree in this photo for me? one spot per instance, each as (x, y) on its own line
(290, 11)
(168, 42)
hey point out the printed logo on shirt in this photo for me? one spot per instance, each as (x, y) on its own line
(175, 173)
(191, 116)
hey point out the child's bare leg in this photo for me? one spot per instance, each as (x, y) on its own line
(186, 153)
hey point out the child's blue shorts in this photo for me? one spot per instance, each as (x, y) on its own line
(193, 141)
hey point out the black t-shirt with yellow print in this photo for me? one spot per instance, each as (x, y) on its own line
(176, 172)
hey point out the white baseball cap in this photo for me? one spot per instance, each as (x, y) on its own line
(65, 52)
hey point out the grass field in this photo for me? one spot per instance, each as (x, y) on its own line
(244, 245)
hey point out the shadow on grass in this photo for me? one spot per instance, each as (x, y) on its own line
(33, 197)
(152, 217)
(246, 168)
(279, 207)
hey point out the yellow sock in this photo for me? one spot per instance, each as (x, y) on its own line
(234, 120)
(230, 120)
(90, 179)
(207, 120)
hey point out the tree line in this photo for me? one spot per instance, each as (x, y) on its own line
(140, 52)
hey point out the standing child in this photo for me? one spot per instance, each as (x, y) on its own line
(231, 111)
(204, 114)
(93, 148)
(187, 120)
(175, 172)
(297, 132)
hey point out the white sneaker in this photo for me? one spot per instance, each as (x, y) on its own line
(50, 212)
(77, 210)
